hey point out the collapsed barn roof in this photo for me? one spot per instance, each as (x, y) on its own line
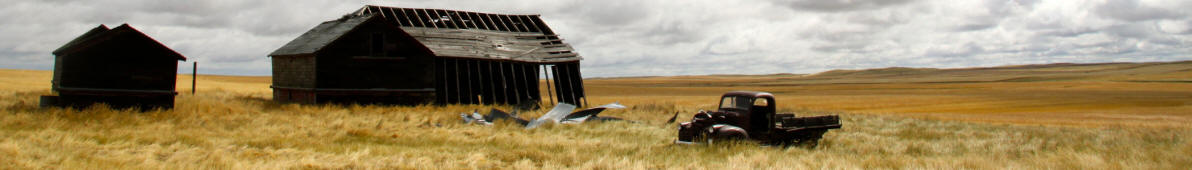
(449, 33)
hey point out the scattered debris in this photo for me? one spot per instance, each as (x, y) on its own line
(498, 115)
(562, 113)
(474, 118)
(591, 114)
(554, 115)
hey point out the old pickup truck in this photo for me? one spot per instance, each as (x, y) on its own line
(750, 115)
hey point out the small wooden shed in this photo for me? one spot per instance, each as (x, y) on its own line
(414, 56)
(119, 66)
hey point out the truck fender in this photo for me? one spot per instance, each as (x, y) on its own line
(725, 131)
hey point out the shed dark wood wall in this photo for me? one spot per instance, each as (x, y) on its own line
(121, 67)
(294, 71)
(453, 80)
(350, 70)
(348, 63)
(568, 83)
(476, 81)
(293, 77)
(119, 63)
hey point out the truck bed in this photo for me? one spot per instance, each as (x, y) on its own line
(789, 121)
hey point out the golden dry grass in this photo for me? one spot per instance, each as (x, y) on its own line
(231, 124)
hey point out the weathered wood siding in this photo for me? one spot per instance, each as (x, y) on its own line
(294, 71)
(348, 64)
(121, 67)
(291, 73)
(120, 63)
(569, 84)
(474, 81)
(403, 73)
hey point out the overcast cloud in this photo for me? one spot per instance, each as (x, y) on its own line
(662, 37)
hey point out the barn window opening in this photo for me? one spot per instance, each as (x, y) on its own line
(377, 46)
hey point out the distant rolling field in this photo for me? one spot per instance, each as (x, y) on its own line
(1057, 116)
(1142, 94)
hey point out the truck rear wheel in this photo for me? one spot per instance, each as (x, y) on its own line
(809, 140)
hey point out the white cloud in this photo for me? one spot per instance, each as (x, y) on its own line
(666, 37)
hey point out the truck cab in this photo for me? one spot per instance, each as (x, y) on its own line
(756, 110)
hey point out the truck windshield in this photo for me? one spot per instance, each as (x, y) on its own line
(735, 102)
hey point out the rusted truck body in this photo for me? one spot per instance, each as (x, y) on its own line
(750, 115)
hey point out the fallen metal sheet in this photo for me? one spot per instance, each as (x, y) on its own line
(496, 115)
(613, 105)
(554, 115)
(560, 114)
(474, 118)
(581, 116)
(591, 114)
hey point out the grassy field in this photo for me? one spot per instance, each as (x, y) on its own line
(1061, 116)
(1094, 95)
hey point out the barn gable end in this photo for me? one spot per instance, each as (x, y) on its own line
(120, 66)
(355, 59)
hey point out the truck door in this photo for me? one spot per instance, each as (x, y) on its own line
(761, 118)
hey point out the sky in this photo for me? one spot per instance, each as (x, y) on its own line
(661, 37)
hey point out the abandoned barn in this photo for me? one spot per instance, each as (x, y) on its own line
(121, 67)
(412, 56)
